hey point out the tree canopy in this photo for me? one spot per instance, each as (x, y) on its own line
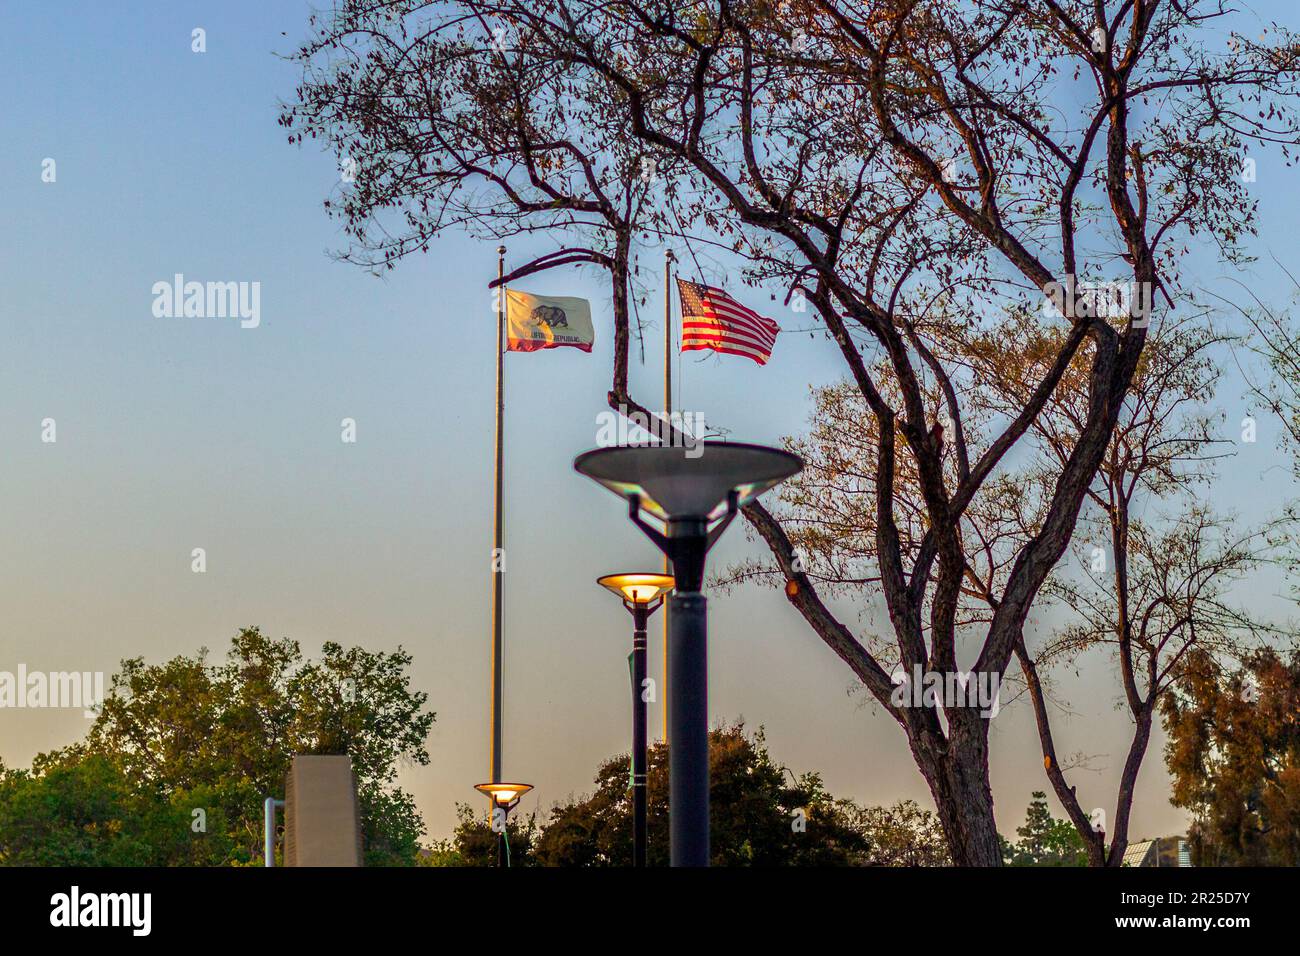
(761, 814)
(1045, 840)
(1234, 754)
(190, 740)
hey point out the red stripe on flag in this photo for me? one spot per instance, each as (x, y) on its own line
(723, 324)
(761, 359)
(702, 329)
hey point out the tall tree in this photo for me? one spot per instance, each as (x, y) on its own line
(869, 159)
(1234, 754)
(1045, 840)
(224, 734)
(1146, 590)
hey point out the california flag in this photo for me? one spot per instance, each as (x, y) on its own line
(546, 322)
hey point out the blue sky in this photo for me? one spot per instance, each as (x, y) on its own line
(182, 433)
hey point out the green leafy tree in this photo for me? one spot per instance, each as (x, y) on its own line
(1045, 840)
(87, 813)
(761, 813)
(902, 835)
(475, 844)
(1234, 754)
(219, 738)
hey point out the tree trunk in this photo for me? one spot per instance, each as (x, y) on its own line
(957, 771)
(1128, 784)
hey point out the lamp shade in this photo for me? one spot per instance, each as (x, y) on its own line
(637, 587)
(671, 484)
(503, 793)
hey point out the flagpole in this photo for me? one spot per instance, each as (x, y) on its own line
(668, 408)
(497, 564)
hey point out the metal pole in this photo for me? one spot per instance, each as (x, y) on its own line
(668, 331)
(668, 409)
(497, 565)
(268, 824)
(640, 616)
(688, 772)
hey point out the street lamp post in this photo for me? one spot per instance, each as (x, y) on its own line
(504, 797)
(694, 493)
(642, 594)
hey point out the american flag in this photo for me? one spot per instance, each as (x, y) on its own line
(711, 319)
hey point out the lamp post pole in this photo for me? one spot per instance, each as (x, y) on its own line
(688, 715)
(640, 717)
(688, 695)
(642, 593)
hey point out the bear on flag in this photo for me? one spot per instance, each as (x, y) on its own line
(546, 322)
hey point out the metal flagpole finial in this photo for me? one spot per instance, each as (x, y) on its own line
(668, 256)
(501, 250)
